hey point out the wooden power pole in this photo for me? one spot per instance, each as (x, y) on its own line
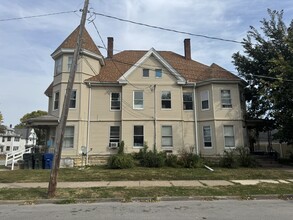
(62, 124)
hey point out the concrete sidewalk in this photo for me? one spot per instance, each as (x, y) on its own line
(182, 183)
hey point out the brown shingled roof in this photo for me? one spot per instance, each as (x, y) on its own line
(191, 70)
(87, 42)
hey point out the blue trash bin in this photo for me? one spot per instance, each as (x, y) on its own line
(48, 160)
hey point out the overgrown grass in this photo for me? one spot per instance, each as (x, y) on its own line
(98, 173)
(154, 192)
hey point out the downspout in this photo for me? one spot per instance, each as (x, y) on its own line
(155, 118)
(195, 120)
(88, 123)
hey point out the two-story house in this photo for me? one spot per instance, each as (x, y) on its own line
(14, 139)
(160, 98)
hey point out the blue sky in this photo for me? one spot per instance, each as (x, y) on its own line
(26, 67)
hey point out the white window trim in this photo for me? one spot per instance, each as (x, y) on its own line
(68, 148)
(191, 101)
(61, 64)
(115, 110)
(206, 109)
(138, 108)
(138, 147)
(110, 132)
(205, 147)
(74, 90)
(233, 136)
(166, 109)
(55, 109)
(230, 99)
(167, 147)
(68, 67)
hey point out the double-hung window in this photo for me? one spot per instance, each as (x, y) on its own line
(166, 99)
(68, 137)
(58, 65)
(226, 99)
(229, 136)
(204, 96)
(138, 99)
(167, 138)
(72, 103)
(187, 101)
(56, 101)
(138, 136)
(114, 134)
(115, 101)
(207, 136)
(69, 62)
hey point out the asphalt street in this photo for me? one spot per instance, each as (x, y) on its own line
(171, 210)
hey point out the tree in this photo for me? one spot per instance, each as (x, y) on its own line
(267, 66)
(2, 128)
(39, 132)
(33, 114)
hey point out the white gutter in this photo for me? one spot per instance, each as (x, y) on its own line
(88, 123)
(155, 118)
(195, 120)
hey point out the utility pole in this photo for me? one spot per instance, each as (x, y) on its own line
(62, 124)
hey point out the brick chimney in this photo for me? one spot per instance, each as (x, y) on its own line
(187, 49)
(110, 47)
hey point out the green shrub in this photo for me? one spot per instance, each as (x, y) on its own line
(244, 157)
(150, 158)
(171, 160)
(120, 161)
(188, 159)
(153, 159)
(121, 148)
(229, 159)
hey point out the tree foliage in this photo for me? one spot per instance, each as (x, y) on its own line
(267, 66)
(2, 128)
(33, 114)
(39, 132)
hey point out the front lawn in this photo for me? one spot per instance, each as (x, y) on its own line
(98, 173)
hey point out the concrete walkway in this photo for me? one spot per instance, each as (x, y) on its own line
(182, 183)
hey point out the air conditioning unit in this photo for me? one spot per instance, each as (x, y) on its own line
(113, 145)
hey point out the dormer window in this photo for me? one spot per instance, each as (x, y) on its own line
(58, 66)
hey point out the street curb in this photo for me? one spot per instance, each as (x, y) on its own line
(145, 199)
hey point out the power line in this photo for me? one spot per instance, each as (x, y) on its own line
(36, 16)
(167, 29)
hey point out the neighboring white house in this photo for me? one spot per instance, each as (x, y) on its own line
(17, 139)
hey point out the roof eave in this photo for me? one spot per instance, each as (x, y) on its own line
(61, 51)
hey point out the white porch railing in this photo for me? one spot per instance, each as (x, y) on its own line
(14, 156)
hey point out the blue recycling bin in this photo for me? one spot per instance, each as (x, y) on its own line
(48, 160)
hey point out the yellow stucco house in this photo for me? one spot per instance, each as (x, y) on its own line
(158, 97)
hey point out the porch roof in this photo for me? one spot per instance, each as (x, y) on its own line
(43, 121)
